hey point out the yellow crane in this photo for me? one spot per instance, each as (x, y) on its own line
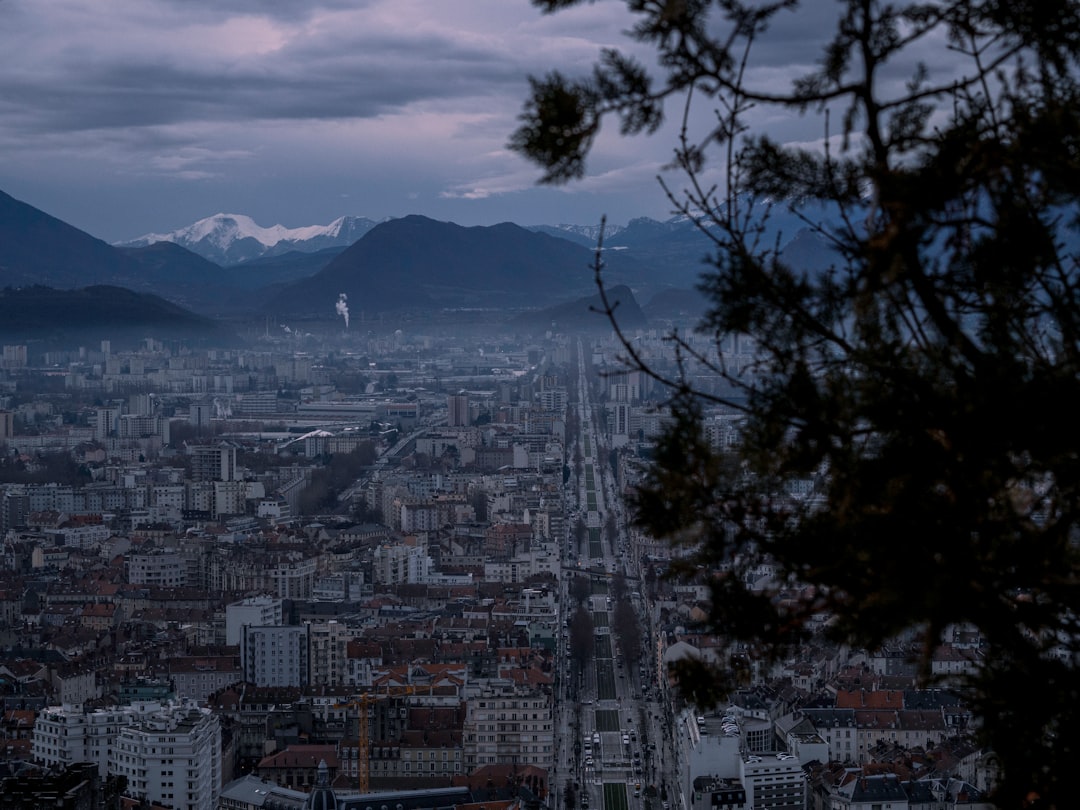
(363, 704)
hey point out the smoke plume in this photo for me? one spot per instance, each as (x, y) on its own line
(342, 308)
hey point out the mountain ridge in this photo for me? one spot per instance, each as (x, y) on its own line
(237, 238)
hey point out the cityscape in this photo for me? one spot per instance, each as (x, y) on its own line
(400, 568)
(571, 405)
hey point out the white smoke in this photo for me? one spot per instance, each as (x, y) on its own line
(342, 308)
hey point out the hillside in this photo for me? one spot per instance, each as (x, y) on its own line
(92, 314)
(419, 263)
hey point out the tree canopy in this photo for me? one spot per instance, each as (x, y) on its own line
(921, 371)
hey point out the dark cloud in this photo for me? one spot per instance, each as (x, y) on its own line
(297, 112)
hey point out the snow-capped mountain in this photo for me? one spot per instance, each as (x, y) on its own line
(235, 238)
(581, 234)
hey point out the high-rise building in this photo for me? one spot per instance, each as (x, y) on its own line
(276, 656)
(457, 410)
(106, 422)
(200, 415)
(329, 658)
(214, 462)
(14, 357)
(257, 611)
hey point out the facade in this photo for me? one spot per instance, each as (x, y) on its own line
(774, 781)
(171, 758)
(276, 656)
(216, 462)
(64, 735)
(169, 753)
(329, 655)
(508, 723)
(196, 678)
(165, 568)
(457, 410)
(260, 611)
(400, 563)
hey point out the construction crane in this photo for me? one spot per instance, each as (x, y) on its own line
(363, 704)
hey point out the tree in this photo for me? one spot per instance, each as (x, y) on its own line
(918, 362)
(580, 531)
(580, 589)
(626, 626)
(611, 530)
(582, 642)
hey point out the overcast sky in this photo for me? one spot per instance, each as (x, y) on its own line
(124, 117)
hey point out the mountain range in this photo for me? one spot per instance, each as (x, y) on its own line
(227, 239)
(410, 264)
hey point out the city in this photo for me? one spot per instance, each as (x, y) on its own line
(572, 405)
(475, 610)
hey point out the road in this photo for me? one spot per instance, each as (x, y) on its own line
(612, 745)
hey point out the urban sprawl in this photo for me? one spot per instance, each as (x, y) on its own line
(398, 572)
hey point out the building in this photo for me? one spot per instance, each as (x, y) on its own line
(65, 735)
(276, 656)
(168, 752)
(457, 410)
(775, 781)
(508, 723)
(171, 757)
(214, 462)
(161, 567)
(7, 425)
(329, 656)
(260, 611)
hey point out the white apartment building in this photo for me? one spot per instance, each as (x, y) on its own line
(276, 656)
(259, 611)
(508, 723)
(166, 568)
(775, 781)
(731, 750)
(230, 498)
(171, 758)
(398, 563)
(170, 753)
(419, 517)
(64, 735)
(294, 578)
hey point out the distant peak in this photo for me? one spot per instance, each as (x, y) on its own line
(237, 237)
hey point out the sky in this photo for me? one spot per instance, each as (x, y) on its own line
(126, 117)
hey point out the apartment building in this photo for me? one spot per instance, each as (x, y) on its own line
(259, 611)
(170, 753)
(276, 656)
(171, 757)
(507, 722)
